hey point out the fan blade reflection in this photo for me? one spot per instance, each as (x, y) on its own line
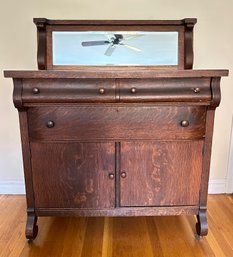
(110, 50)
(131, 37)
(95, 43)
(132, 47)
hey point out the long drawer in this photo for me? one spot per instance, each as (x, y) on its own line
(116, 122)
(163, 90)
(68, 90)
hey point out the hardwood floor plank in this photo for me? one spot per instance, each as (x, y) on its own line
(130, 238)
(117, 237)
(154, 237)
(173, 237)
(107, 237)
(93, 241)
(219, 214)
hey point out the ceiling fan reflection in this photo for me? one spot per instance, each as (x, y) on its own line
(116, 39)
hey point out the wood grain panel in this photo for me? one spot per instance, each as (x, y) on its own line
(73, 175)
(161, 173)
(135, 122)
(162, 90)
(68, 90)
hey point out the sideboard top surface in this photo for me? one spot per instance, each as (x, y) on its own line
(114, 73)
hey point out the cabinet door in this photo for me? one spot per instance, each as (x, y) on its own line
(160, 173)
(73, 175)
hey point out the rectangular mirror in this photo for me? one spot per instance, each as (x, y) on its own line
(78, 48)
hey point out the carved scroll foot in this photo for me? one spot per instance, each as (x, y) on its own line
(202, 224)
(31, 227)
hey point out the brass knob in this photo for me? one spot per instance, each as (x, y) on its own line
(196, 90)
(184, 123)
(123, 174)
(133, 90)
(35, 90)
(50, 124)
(111, 175)
(101, 91)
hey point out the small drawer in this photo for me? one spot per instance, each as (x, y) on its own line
(68, 90)
(164, 90)
(90, 123)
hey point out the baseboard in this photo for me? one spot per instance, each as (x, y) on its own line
(217, 186)
(14, 187)
(230, 165)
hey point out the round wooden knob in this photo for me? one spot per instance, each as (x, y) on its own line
(101, 91)
(50, 124)
(111, 175)
(123, 174)
(35, 90)
(133, 90)
(196, 90)
(184, 123)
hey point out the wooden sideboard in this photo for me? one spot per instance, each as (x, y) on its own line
(116, 141)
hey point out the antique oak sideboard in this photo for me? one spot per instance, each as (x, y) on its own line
(116, 139)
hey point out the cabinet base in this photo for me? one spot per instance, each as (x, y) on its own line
(201, 225)
(119, 211)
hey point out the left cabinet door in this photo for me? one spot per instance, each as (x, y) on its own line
(73, 175)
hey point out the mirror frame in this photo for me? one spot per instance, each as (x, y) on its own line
(45, 28)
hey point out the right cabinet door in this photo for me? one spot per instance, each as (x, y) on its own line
(160, 173)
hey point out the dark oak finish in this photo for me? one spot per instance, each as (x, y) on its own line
(151, 90)
(74, 175)
(202, 225)
(31, 226)
(119, 211)
(123, 90)
(136, 147)
(114, 22)
(26, 158)
(116, 141)
(158, 173)
(88, 123)
(116, 72)
(42, 44)
(69, 90)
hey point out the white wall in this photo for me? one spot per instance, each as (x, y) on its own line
(213, 43)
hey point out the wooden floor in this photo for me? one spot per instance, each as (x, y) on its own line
(117, 237)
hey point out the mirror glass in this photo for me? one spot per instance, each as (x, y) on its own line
(115, 48)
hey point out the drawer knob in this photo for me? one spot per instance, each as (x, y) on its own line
(196, 90)
(50, 124)
(35, 90)
(101, 91)
(133, 90)
(184, 123)
(111, 176)
(123, 174)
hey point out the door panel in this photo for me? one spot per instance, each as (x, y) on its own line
(160, 173)
(73, 175)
